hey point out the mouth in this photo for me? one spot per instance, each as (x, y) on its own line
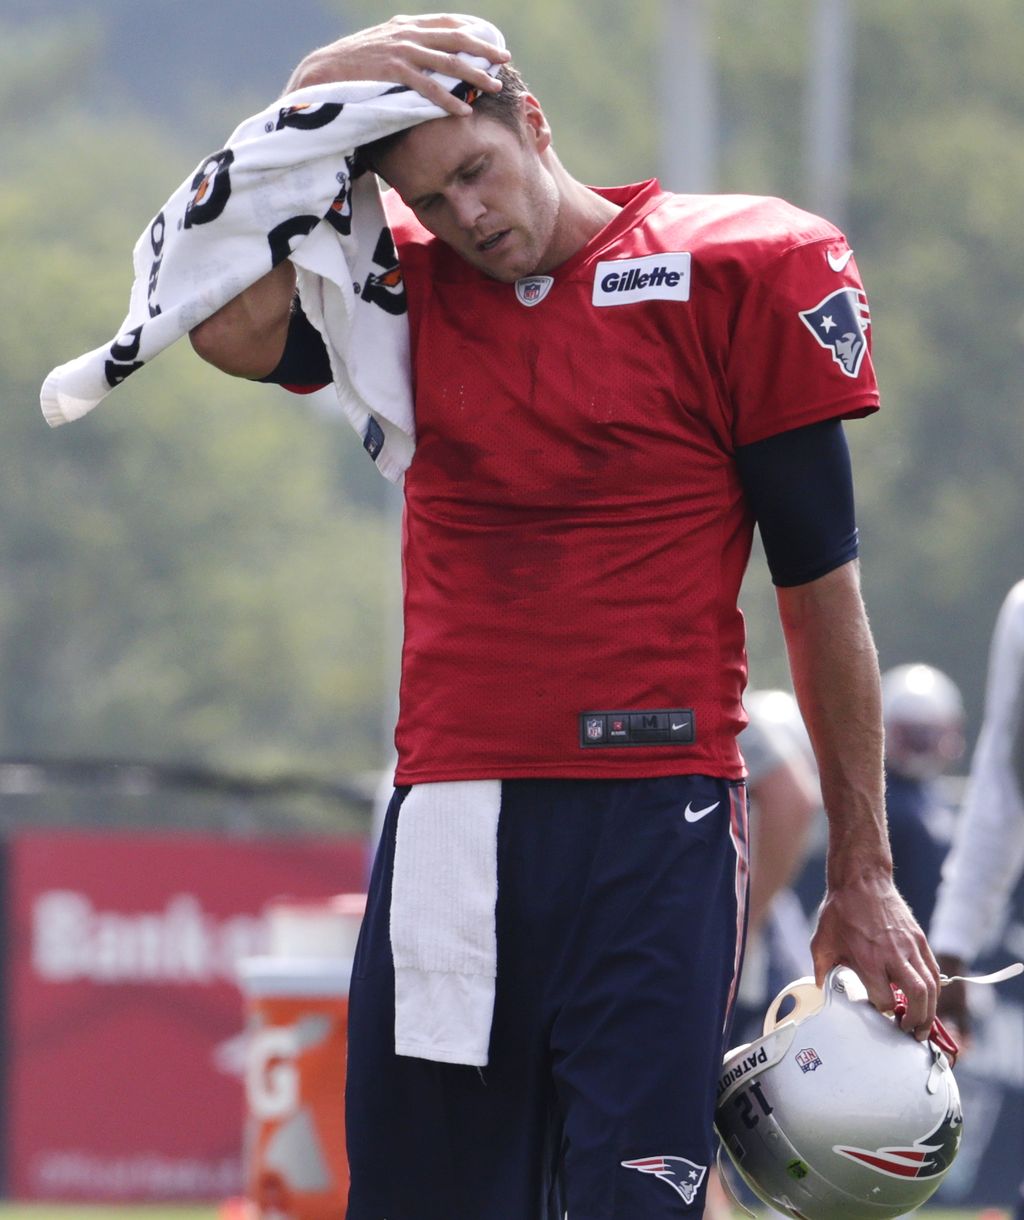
(490, 243)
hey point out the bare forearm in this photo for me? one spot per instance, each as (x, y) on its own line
(835, 675)
(863, 921)
(246, 337)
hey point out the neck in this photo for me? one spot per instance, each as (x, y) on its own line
(582, 214)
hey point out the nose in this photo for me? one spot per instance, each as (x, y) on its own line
(468, 208)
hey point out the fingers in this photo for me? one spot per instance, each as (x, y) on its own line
(404, 51)
(450, 32)
(919, 989)
(439, 43)
(894, 953)
(412, 63)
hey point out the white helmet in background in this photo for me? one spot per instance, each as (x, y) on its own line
(924, 721)
(836, 1113)
(778, 709)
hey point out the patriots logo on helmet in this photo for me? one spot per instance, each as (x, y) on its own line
(682, 1175)
(928, 1157)
(839, 323)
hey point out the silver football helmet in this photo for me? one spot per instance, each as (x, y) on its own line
(836, 1113)
(923, 713)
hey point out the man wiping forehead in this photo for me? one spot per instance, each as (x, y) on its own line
(590, 462)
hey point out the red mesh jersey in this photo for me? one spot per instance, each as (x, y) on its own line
(575, 531)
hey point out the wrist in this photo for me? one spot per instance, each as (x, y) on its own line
(859, 865)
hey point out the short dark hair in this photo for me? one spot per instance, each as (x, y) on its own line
(504, 107)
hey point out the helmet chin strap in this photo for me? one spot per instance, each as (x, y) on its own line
(997, 976)
(939, 1035)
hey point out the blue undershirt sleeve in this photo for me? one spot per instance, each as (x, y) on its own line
(800, 487)
(304, 361)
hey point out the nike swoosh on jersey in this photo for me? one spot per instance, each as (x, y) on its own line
(695, 815)
(839, 264)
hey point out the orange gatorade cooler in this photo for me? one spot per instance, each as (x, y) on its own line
(297, 1010)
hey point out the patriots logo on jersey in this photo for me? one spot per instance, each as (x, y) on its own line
(840, 323)
(682, 1175)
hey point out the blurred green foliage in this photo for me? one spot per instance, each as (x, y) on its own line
(206, 569)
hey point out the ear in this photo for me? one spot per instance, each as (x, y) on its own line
(537, 129)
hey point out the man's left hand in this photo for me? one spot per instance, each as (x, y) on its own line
(868, 926)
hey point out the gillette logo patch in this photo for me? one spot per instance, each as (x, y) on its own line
(655, 277)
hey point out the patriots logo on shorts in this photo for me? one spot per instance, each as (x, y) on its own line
(840, 323)
(682, 1175)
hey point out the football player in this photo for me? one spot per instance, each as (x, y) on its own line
(612, 386)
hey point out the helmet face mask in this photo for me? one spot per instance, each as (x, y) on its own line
(835, 1113)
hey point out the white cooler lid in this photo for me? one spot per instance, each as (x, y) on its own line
(304, 976)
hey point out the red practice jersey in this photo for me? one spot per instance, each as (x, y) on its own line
(575, 528)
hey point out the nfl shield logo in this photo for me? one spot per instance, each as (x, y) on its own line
(808, 1059)
(532, 289)
(595, 728)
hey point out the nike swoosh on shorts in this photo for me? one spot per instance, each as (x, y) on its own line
(695, 815)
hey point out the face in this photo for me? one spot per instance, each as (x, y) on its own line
(483, 189)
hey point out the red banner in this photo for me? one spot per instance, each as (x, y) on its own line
(125, 1042)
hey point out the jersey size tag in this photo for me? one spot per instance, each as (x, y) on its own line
(373, 438)
(655, 277)
(661, 727)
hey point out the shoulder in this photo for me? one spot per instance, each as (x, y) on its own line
(749, 231)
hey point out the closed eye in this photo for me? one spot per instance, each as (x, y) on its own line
(475, 170)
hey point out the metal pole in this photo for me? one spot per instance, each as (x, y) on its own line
(827, 109)
(689, 114)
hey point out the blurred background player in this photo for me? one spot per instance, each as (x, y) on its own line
(923, 713)
(987, 856)
(785, 800)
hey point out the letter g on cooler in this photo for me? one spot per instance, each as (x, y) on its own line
(272, 1075)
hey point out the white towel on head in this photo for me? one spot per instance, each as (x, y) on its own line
(282, 186)
(443, 935)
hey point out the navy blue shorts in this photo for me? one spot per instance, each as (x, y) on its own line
(620, 904)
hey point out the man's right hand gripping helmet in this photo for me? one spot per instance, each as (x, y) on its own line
(836, 1113)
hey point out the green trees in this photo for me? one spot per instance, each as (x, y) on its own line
(199, 568)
